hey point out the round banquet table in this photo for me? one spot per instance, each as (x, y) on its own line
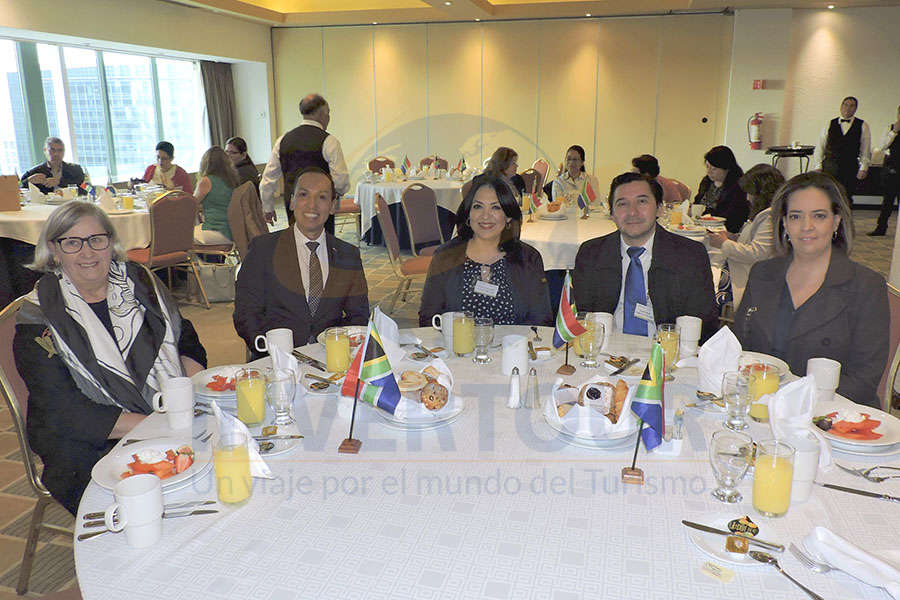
(492, 505)
(25, 225)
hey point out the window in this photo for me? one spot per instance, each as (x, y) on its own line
(15, 145)
(55, 96)
(183, 108)
(88, 112)
(132, 112)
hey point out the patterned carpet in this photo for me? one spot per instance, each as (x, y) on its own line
(54, 567)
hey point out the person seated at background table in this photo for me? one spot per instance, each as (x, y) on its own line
(165, 172)
(94, 341)
(54, 173)
(218, 178)
(571, 180)
(719, 191)
(302, 278)
(756, 241)
(486, 269)
(236, 149)
(812, 300)
(643, 274)
(503, 164)
(674, 192)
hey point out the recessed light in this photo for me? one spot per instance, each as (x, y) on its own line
(831, 6)
(587, 14)
(477, 19)
(374, 22)
(448, 3)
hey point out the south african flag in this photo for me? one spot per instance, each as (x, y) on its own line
(567, 326)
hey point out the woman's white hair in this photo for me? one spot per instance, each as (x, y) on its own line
(63, 219)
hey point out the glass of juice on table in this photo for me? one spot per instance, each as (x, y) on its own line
(763, 379)
(591, 340)
(232, 464)
(668, 335)
(463, 333)
(577, 348)
(337, 350)
(250, 385)
(772, 476)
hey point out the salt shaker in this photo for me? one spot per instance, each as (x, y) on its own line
(514, 400)
(532, 395)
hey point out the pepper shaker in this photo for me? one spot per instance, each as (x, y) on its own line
(532, 393)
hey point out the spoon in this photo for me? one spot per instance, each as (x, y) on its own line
(768, 558)
(87, 536)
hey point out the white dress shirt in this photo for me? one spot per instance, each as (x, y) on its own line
(646, 257)
(303, 257)
(886, 140)
(331, 152)
(865, 144)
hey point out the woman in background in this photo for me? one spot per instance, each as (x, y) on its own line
(236, 149)
(504, 164)
(218, 178)
(570, 182)
(165, 172)
(719, 191)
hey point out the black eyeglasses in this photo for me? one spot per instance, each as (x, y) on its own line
(73, 244)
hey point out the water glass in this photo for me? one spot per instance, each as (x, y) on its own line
(729, 456)
(592, 341)
(484, 335)
(668, 335)
(282, 383)
(736, 393)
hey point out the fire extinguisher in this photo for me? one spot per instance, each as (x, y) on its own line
(753, 124)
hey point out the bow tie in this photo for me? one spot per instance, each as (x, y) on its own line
(846, 120)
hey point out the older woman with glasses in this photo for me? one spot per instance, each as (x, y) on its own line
(94, 341)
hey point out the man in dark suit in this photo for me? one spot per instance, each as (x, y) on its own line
(302, 277)
(844, 148)
(54, 173)
(643, 274)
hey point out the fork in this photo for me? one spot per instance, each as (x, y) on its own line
(866, 473)
(537, 336)
(807, 561)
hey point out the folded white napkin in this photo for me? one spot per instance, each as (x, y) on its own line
(34, 194)
(228, 424)
(283, 360)
(791, 412)
(841, 554)
(585, 421)
(390, 336)
(718, 355)
(686, 211)
(409, 408)
(107, 202)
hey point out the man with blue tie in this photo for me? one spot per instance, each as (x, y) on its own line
(643, 274)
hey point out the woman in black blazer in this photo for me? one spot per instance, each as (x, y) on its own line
(485, 269)
(719, 190)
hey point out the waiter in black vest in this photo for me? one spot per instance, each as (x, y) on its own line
(307, 145)
(844, 147)
(890, 174)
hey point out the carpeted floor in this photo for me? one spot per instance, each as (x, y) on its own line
(54, 566)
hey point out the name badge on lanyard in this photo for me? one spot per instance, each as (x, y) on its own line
(486, 289)
(642, 311)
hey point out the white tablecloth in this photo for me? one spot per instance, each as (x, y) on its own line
(26, 224)
(491, 506)
(558, 241)
(448, 192)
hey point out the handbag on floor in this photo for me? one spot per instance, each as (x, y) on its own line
(218, 281)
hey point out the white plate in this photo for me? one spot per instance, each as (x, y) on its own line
(713, 544)
(281, 446)
(444, 354)
(617, 443)
(351, 331)
(870, 452)
(107, 472)
(334, 388)
(203, 377)
(554, 216)
(748, 357)
(889, 428)
(709, 219)
(438, 418)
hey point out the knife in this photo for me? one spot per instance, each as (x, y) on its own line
(265, 438)
(427, 352)
(166, 515)
(860, 492)
(623, 369)
(309, 360)
(708, 529)
(173, 506)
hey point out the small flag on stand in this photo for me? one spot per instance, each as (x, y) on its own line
(371, 367)
(405, 165)
(567, 326)
(587, 195)
(461, 165)
(648, 399)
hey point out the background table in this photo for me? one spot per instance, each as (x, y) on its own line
(25, 225)
(491, 506)
(558, 241)
(449, 197)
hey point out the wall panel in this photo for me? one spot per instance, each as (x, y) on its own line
(298, 62)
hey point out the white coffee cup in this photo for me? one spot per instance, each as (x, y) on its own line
(138, 510)
(605, 319)
(806, 466)
(827, 375)
(514, 354)
(697, 210)
(176, 401)
(281, 338)
(444, 323)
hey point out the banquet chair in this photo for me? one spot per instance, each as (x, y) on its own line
(16, 396)
(420, 208)
(406, 270)
(426, 162)
(380, 162)
(245, 218)
(533, 180)
(889, 378)
(172, 218)
(348, 210)
(542, 167)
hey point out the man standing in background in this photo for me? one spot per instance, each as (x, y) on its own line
(307, 145)
(844, 147)
(890, 174)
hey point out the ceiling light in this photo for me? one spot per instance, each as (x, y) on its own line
(587, 14)
(477, 19)
(830, 6)
(448, 3)
(374, 22)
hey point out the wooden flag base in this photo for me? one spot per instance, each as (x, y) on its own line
(566, 370)
(350, 446)
(631, 475)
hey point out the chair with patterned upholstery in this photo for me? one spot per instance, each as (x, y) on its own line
(14, 392)
(172, 218)
(420, 209)
(380, 162)
(406, 270)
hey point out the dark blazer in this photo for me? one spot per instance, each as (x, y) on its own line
(680, 279)
(531, 300)
(269, 292)
(732, 204)
(72, 174)
(845, 320)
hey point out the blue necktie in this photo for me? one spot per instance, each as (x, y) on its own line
(635, 293)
